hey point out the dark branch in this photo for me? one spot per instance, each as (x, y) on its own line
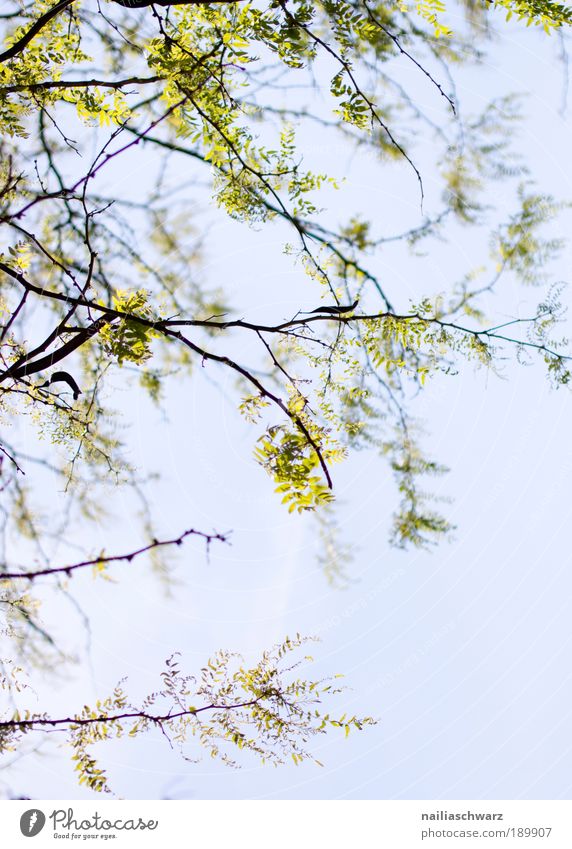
(36, 27)
(117, 558)
(78, 721)
(51, 84)
(44, 19)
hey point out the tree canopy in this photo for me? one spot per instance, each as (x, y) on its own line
(101, 281)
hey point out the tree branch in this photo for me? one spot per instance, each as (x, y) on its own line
(51, 84)
(77, 721)
(44, 19)
(36, 27)
(116, 558)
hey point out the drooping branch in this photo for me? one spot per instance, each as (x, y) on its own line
(348, 71)
(12, 459)
(411, 58)
(264, 391)
(307, 229)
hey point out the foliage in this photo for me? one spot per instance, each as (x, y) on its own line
(265, 710)
(100, 280)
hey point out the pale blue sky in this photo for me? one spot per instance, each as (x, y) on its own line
(463, 654)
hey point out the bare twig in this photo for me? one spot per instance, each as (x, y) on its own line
(116, 558)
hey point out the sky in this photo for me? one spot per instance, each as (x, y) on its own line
(463, 653)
